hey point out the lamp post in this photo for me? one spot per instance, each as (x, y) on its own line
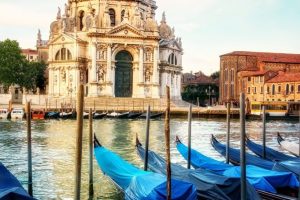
(209, 92)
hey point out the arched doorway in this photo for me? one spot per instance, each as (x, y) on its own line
(123, 75)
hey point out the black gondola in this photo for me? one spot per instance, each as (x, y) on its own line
(152, 115)
(134, 115)
(99, 115)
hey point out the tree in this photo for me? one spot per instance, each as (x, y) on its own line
(16, 70)
(12, 63)
(215, 75)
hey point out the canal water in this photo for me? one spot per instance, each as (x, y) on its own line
(54, 148)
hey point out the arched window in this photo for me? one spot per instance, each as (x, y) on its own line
(287, 89)
(81, 16)
(226, 75)
(122, 15)
(279, 89)
(112, 15)
(63, 54)
(292, 88)
(172, 59)
(298, 88)
(273, 89)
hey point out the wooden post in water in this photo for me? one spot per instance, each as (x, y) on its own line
(91, 151)
(94, 105)
(189, 136)
(264, 131)
(147, 138)
(228, 132)
(242, 143)
(79, 142)
(29, 149)
(167, 140)
(198, 102)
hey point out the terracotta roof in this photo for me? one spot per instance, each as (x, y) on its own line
(29, 51)
(268, 56)
(285, 77)
(252, 73)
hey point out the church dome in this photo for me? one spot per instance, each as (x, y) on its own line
(165, 30)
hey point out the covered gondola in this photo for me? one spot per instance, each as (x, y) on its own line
(210, 185)
(10, 187)
(261, 179)
(234, 157)
(291, 147)
(271, 154)
(138, 184)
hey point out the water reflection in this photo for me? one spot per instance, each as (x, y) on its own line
(54, 148)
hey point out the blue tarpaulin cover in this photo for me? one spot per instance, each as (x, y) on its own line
(260, 178)
(10, 187)
(234, 155)
(209, 184)
(138, 184)
(271, 154)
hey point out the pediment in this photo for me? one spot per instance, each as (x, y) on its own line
(125, 30)
(170, 44)
(65, 38)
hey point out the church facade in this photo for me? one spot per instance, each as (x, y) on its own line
(115, 48)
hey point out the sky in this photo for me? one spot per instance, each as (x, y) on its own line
(208, 28)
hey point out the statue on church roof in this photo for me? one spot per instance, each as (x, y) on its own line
(66, 10)
(58, 14)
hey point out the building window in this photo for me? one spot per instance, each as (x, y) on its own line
(279, 89)
(254, 90)
(81, 16)
(225, 90)
(172, 59)
(261, 89)
(287, 89)
(248, 90)
(226, 75)
(122, 15)
(261, 79)
(268, 89)
(63, 54)
(232, 75)
(273, 89)
(298, 88)
(232, 91)
(292, 89)
(112, 15)
(249, 79)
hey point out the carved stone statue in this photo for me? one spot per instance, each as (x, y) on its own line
(67, 10)
(58, 14)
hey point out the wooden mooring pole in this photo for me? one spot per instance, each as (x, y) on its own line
(91, 151)
(78, 160)
(189, 136)
(264, 131)
(242, 143)
(228, 132)
(147, 138)
(29, 148)
(167, 140)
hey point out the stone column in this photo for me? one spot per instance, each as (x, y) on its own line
(93, 89)
(94, 64)
(108, 71)
(141, 65)
(155, 66)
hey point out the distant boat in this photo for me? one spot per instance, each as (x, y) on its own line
(38, 114)
(118, 115)
(262, 179)
(99, 115)
(52, 115)
(291, 147)
(4, 113)
(138, 184)
(271, 154)
(17, 113)
(10, 187)
(210, 185)
(152, 115)
(134, 115)
(66, 115)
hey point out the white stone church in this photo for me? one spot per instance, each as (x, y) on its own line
(115, 48)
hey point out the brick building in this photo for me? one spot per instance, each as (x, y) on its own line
(242, 71)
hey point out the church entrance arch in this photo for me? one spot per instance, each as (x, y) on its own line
(123, 74)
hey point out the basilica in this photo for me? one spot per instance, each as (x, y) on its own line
(115, 48)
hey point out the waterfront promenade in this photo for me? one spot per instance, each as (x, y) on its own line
(178, 107)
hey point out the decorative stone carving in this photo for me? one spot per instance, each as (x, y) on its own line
(101, 71)
(148, 55)
(63, 75)
(148, 71)
(58, 16)
(67, 9)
